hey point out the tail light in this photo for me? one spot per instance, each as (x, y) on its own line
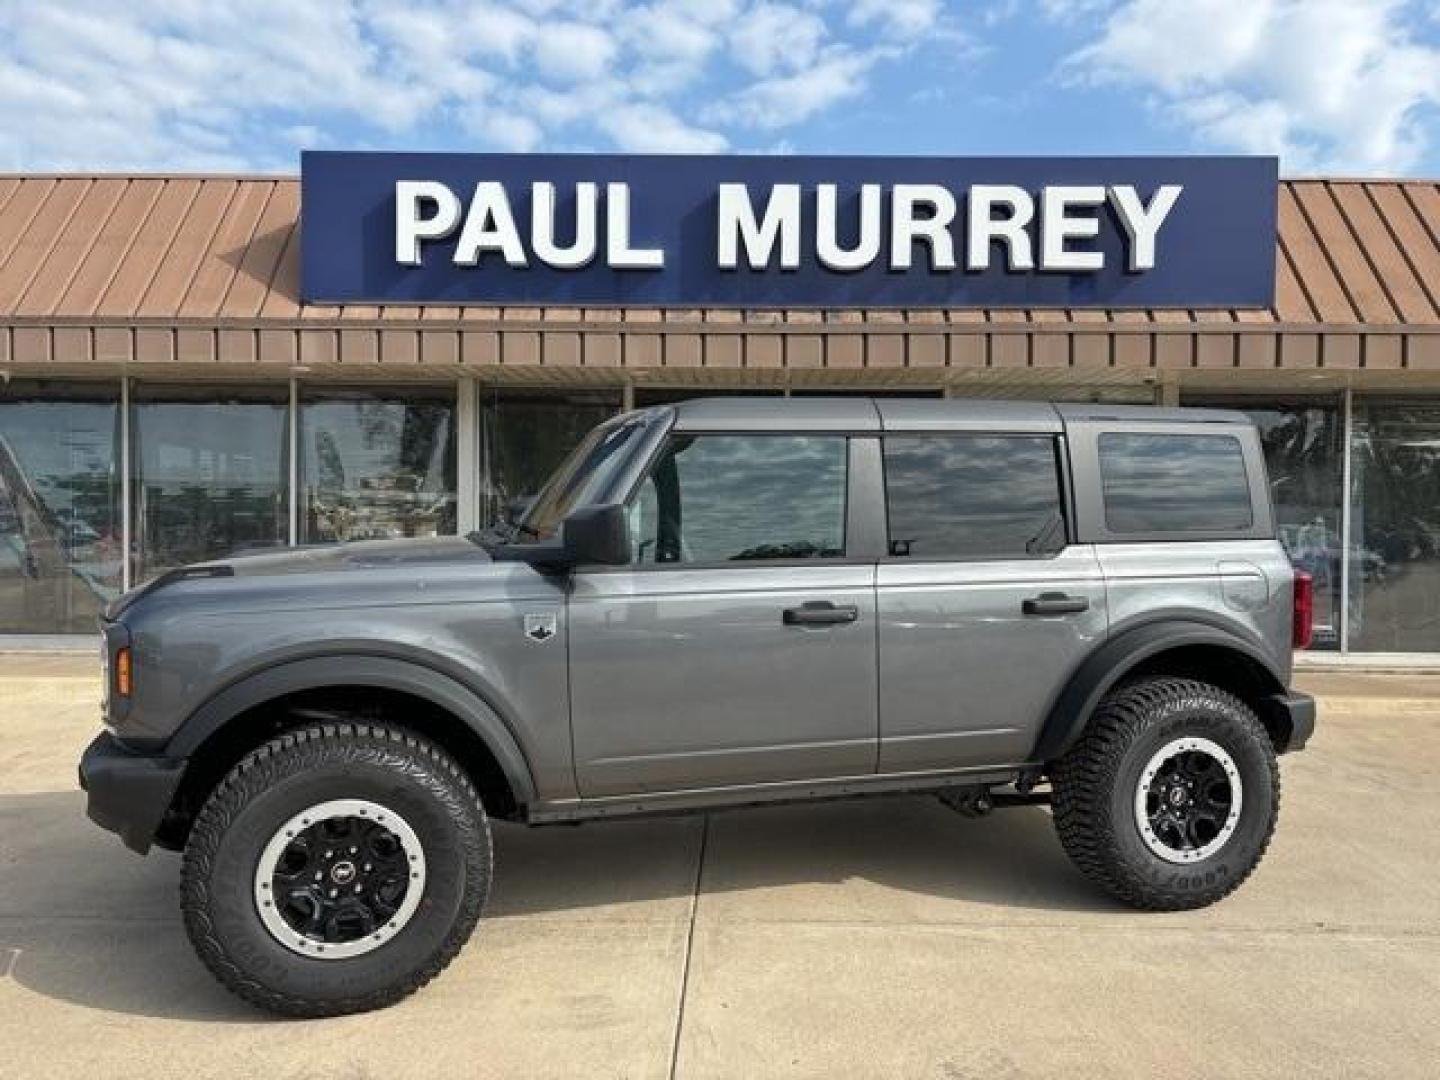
(1303, 628)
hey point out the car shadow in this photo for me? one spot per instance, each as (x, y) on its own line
(84, 921)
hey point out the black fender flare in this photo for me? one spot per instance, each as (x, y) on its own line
(1117, 657)
(317, 672)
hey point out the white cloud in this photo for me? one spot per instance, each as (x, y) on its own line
(905, 19)
(574, 51)
(646, 129)
(182, 84)
(791, 99)
(1332, 85)
(772, 37)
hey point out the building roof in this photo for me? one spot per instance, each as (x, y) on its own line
(118, 250)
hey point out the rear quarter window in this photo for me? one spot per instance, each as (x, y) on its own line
(1158, 483)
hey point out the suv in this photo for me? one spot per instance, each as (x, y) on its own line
(721, 603)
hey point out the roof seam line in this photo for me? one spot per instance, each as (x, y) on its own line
(1431, 295)
(85, 255)
(124, 252)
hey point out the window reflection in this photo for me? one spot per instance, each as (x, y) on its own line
(718, 498)
(1395, 524)
(1174, 483)
(61, 549)
(1304, 444)
(210, 473)
(972, 497)
(377, 464)
(526, 437)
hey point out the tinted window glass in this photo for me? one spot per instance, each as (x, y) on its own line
(1174, 483)
(580, 477)
(1395, 527)
(525, 436)
(720, 498)
(60, 543)
(377, 464)
(964, 496)
(210, 471)
(1304, 447)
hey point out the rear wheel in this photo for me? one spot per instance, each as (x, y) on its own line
(1170, 797)
(336, 869)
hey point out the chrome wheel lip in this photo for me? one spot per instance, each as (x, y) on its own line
(1188, 744)
(270, 857)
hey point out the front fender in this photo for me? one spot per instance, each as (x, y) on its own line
(1120, 655)
(318, 672)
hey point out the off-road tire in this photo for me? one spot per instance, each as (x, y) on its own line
(1095, 784)
(283, 777)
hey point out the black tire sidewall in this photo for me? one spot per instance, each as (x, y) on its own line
(1197, 713)
(449, 849)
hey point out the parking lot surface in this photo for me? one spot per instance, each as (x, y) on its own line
(884, 937)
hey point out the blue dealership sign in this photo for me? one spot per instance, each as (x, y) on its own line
(754, 232)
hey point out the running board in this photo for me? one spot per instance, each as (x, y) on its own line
(721, 798)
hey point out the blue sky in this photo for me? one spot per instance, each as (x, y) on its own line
(1346, 87)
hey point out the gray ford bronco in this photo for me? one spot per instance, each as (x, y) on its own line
(722, 603)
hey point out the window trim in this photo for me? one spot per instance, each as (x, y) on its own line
(1091, 526)
(1249, 522)
(1064, 488)
(848, 519)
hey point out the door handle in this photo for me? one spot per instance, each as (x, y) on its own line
(1054, 603)
(820, 613)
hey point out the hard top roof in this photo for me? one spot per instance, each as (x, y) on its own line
(854, 413)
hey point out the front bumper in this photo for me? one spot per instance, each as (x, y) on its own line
(128, 792)
(1290, 717)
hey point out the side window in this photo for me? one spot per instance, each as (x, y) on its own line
(1174, 483)
(972, 496)
(741, 498)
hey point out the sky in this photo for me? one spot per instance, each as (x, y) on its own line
(1339, 87)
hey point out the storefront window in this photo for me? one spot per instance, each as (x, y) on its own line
(1395, 523)
(209, 473)
(61, 549)
(1303, 440)
(377, 464)
(525, 436)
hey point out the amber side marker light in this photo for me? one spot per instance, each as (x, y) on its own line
(124, 673)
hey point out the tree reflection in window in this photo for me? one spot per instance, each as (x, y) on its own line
(377, 464)
(743, 498)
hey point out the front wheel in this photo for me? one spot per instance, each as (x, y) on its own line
(1170, 797)
(336, 869)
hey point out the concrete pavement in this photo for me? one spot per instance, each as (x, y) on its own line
(882, 937)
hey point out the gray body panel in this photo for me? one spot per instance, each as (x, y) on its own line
(689, 678)
(442, 606)
(965, 675)
(668, 686)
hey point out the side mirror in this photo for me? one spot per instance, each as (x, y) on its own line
(596, 535)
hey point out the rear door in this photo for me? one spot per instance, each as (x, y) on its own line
(984, 606)
(740, 646)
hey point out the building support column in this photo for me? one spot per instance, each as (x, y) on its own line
(127, 572)
(293, 464)
(1346, 475)
(467, 448)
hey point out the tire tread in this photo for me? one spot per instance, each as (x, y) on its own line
(1082, 780)
(384, 744)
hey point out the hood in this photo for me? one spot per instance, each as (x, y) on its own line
(429, 552)
(356, 555)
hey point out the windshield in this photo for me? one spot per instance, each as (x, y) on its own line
(579, 480)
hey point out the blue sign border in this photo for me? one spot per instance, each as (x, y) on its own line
(1216, 248)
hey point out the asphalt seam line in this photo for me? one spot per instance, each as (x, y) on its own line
(689, 945)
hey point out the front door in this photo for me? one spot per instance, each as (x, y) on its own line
(740, 646)
(983, 607)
